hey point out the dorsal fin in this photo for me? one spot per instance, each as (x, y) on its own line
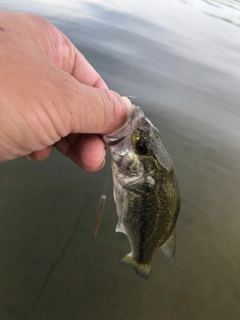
(169, 247)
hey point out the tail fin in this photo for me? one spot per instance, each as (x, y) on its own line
(142, 270)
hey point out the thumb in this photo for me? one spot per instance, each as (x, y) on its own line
(99, 111)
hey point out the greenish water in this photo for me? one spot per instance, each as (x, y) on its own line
(183, 65)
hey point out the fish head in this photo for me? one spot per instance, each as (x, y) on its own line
(136, 147)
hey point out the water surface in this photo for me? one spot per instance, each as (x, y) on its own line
(181, 60)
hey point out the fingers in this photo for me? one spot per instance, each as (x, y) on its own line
(88, 151)
(102, 111)
(85, 73)
(70, 95)
(79, 67)
(40, 155)
(98, 111)
(55, 45)
(92, 152)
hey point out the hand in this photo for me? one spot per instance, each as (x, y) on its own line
(51, 96)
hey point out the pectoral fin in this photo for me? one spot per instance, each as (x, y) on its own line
(169, 247)
(141, 185)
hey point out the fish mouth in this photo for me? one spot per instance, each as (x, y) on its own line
(128, 127)
(114, 142)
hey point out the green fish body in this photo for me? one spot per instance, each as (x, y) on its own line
(145, 191)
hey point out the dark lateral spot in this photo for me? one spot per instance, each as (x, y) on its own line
(1, 29)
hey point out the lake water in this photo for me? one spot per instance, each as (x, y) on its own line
(181, 59)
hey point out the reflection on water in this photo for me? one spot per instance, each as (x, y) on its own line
(183, 66)
(233, 4)
(223, 19)
(225, 10)
(232, 8)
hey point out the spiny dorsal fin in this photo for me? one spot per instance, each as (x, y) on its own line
(169, 247)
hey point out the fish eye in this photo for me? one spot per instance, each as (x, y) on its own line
(141, 147)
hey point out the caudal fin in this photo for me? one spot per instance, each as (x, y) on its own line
(142, 270)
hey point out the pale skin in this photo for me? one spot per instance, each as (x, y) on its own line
(50, 96)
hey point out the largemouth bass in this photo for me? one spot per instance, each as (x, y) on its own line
(145, 191)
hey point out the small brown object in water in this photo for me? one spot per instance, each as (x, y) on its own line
(99, 215)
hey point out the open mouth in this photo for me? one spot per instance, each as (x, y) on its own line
(120, 134)
(113, 141)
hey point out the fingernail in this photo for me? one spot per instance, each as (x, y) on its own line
(128, 103)
(40, 155)
(102, 164)
(29, 158)
(98, 167)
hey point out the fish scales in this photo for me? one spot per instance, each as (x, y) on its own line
(145, 191)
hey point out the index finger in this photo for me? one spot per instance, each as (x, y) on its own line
(81, 69)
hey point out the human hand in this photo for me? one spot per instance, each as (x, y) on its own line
(51, 96)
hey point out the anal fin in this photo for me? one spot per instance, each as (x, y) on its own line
(169, 247)
(120, 227)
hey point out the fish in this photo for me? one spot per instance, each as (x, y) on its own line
(145, 191)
